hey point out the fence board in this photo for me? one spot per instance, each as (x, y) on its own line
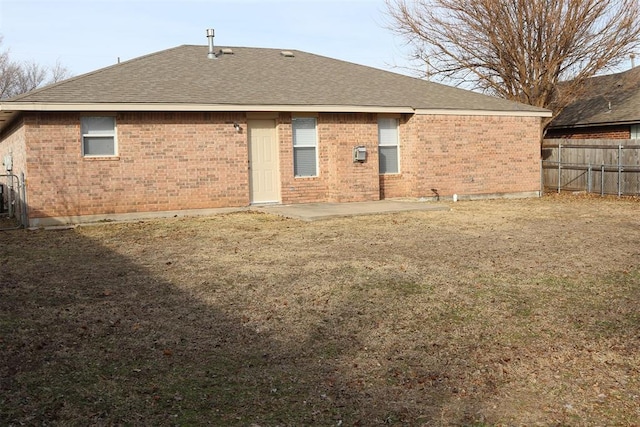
(593, 165)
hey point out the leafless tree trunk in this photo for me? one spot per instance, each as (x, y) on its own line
(519, 49)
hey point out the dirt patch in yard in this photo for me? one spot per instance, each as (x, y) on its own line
(508, 312)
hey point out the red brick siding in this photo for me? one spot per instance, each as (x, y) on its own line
(467, 155)
(410, 155)
(339, 178)
(166, 161)
(174, 161)
(350, 181)
(303, 189)
(13, 141)
(598, 132)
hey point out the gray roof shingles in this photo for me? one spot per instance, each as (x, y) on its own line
(258, 76)
(604, 100)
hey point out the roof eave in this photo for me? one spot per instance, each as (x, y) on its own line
(127, 106)
(596, 124)
(7, 117)
(9, 110)
(504, 113)
(122, 106)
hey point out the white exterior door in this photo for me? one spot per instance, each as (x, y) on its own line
(264, 174)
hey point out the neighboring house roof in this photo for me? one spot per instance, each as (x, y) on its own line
(605, 100)
(252, 79)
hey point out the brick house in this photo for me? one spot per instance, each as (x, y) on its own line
(608, 108)
(190, 129)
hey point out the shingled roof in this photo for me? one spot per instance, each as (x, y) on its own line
(252, 79)
(605, 100)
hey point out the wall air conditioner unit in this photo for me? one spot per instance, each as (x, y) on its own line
(359, 154)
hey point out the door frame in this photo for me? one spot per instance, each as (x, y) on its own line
(276, 152)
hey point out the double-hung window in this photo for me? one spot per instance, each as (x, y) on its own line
(388, 145)
(305, 145)
(98, 136)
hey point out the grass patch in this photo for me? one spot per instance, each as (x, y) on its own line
(495, 313)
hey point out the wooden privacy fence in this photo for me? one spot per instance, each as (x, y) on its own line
(601, 166)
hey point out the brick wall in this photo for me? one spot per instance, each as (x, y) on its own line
(339, 178)
(412, 161)
(12, 142)
(165, 161)
(464, 155)
(350, 181)
(178, 161)
(302, 189)
(596, 132)
(469, 155)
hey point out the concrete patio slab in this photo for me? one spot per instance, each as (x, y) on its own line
(318, 211)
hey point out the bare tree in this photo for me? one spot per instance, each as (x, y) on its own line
(518, 49)
(31, 76)
(17, 78)
(58, 73)
(8, 74)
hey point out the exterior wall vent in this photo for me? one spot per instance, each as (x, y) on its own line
(287, 54)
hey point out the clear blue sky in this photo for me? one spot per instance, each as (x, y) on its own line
(85, 35)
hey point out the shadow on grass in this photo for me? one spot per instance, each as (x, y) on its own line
(92, 337)
(88, 337)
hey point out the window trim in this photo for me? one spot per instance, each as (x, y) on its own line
(396, 145)
(113, 136)
(314, 146)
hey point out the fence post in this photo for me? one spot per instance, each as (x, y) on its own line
(602, 181)
(541, 177)
(589, 180)
(559, 166)
(620, 147)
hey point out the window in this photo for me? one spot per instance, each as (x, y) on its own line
(635, 131)
(388, 145)
(304, 146)
(98, 136)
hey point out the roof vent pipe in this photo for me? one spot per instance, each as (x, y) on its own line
(210, 35)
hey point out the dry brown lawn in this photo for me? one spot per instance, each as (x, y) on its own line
(520, 312)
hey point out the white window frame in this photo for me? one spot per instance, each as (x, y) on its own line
(110, 134)
(313, 145)
(395, 143)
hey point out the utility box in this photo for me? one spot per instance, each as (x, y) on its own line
(8, 162)
(359, 154)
